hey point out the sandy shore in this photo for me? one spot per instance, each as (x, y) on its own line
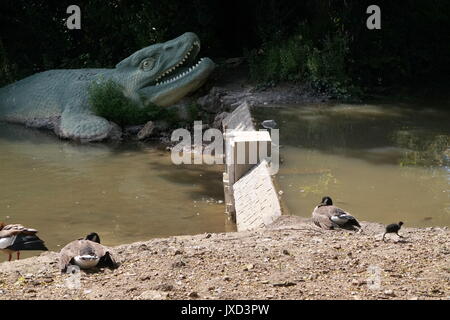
(291, 259)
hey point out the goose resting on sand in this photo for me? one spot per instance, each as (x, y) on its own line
(16, 238)
(86, 253)
(327, 216)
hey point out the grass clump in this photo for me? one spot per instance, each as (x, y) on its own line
(108, 101)
(275, 62)
(324, 66)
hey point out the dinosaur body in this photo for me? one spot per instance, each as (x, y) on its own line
(58, 99)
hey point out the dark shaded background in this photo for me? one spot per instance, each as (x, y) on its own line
(413, 46)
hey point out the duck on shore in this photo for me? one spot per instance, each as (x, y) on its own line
(328, 216)
(86, 253)
(16, 238)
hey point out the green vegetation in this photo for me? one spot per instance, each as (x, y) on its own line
(324, 181)
(423, 151)
(297, 59)
(108, 101)
(195, 113)
(279, 62)
(322, 42)
(6, 72)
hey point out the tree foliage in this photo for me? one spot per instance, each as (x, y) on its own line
(412, 47)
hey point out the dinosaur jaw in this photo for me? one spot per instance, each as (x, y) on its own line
(180, 78)
(174, 88)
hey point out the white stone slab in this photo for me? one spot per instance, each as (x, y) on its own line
(240, 119)
(256, 201)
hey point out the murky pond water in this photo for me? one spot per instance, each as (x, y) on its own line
(382, 163)
(126, 193)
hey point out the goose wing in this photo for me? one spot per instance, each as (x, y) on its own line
(10, 230)
(24, 241)
(321, 217)
(330, 217)
(106, 255)
(344, 219)
(17, 237)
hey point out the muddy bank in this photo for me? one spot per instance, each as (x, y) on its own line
(291, 259)
(231, 85)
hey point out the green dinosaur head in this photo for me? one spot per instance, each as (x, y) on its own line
(163, 73)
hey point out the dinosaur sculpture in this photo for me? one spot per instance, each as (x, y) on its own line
(161, 74)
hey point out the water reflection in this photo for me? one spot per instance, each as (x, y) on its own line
(125, 192)
(382, 162)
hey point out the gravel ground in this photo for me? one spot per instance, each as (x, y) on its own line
(291, 259)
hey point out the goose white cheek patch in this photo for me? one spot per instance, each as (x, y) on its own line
(86, 261)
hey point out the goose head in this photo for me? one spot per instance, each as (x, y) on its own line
(94, 237)
(326, 201)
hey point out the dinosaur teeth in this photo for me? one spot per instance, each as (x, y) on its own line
(178, 76)
(167, 72)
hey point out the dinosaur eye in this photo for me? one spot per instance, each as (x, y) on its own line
(147, 64)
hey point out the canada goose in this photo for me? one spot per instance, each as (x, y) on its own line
(327, 216)
(86, 253)
(393, 228)
(16, 238)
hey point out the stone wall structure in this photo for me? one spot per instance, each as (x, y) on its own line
(251, 198)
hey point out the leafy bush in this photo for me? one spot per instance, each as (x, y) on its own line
(108, 101)
(327, 65)
(196, 113)
(275, 62)
(297, 58)
(6, 69)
